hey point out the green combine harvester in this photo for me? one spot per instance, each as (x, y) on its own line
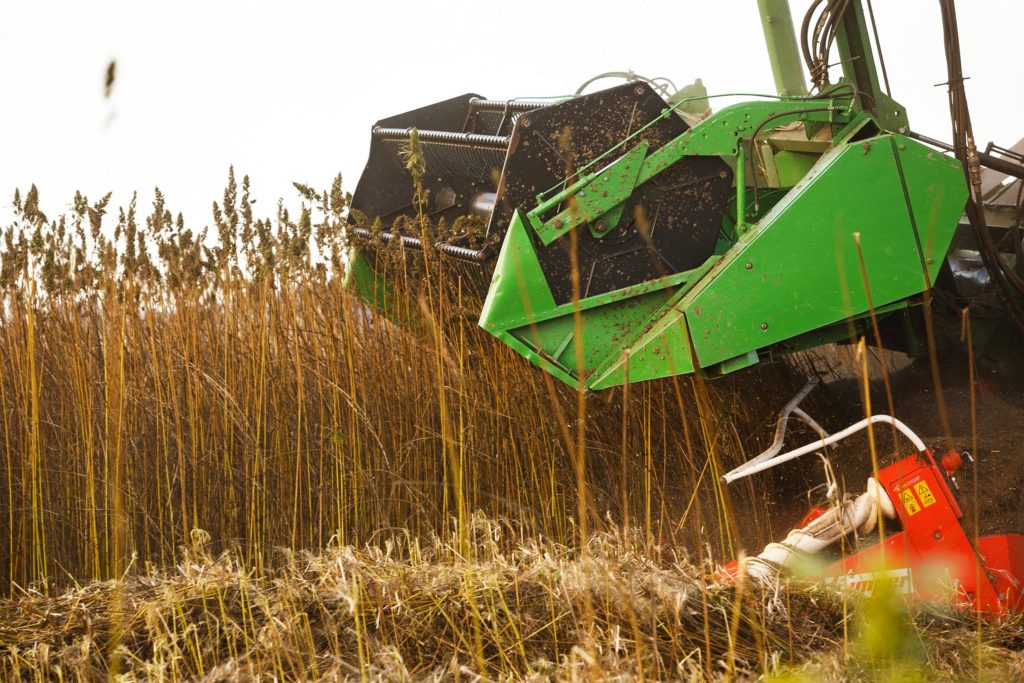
(631, 234)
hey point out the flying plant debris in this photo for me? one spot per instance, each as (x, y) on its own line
(109, 78)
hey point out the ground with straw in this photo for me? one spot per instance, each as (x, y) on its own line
(520, 608)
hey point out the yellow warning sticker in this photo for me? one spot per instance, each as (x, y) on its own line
(909, 502)
(924, 493)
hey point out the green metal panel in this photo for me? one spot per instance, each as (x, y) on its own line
(518, 295)
(798, 269)
(519, 310)
(539, 359)
(605, 330)
(660, 348)
(790, 167)
(518, 292)
(936, 199)
(371, 286)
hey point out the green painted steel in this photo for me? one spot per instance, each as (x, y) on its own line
(520, 311)
(371, 286)
(799, 269)
(822, 185)
(790, 167)
(598, 193)
(603, 197)
(780, 38)
(519, 293)
(790, 281)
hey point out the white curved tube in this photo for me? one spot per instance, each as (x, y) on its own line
(776, 447)
(810, 422)
(753, 468)
(780, 425)
(859, 516)
(791, 408)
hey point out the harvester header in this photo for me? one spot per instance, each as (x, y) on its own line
(621, 236)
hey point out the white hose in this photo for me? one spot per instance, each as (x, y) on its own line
(859, 516)
(750, 468)
(780, 434)
(783, 419)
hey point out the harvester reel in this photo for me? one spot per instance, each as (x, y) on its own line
(666, 227)
(488, 158)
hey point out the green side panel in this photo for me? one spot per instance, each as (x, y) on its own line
(663, 350)
(538, 359)
(936, 204)
(798, 269)
(369, 285)
(518, 288)
(606, 330)
(518, 293)
(520, 311)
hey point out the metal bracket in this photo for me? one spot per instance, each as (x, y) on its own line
(599, 199)
(592, 197)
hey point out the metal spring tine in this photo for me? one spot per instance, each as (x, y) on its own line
(456, 159)
(473, 139)
(517, 106)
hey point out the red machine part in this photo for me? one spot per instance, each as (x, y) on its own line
(932, 556)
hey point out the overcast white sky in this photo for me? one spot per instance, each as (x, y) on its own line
(288, 90)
